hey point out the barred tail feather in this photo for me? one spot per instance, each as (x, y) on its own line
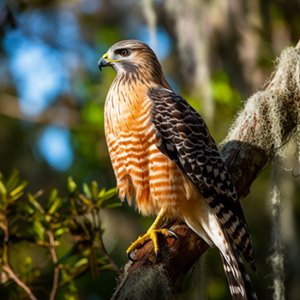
(238, 279)
(200, 217)
(235, 226)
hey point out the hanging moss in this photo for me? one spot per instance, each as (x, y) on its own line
(260, 124)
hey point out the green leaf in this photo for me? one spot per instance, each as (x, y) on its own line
(33, 201)
(81, 262)
(108, 195)
(38, 229)
(3, 190)
(59, 232)
(27, 264)
(94, 190)
(72, 290)
(73, 203)
(68, 296)
(112, 205)
(27, 208)
(52, 197)
(106, 267)
(87, 190)
(101, 261)
(72, 186)
(102, 193)
(84, 200)
(23, 184)
(15, 197)
(13, 180)
(55, 206)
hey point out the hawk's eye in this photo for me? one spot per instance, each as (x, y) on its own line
(123, 52)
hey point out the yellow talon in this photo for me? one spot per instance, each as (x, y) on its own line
(152, 234)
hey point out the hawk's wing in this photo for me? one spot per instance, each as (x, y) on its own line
(183, 137)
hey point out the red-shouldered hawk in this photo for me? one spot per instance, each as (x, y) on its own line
(167, 163)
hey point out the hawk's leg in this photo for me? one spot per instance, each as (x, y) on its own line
(152, 234)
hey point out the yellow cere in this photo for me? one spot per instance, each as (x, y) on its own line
(106, 57)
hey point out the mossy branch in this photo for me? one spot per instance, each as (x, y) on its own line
(262, 127)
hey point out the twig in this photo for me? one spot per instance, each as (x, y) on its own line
(74, 275)
(15, 278)
(38, 194)
(56, 269)
(6, 267)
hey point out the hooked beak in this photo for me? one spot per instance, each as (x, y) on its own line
(103, 62)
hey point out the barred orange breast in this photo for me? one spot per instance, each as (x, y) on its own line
(145, 176)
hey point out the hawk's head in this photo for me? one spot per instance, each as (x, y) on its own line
(135, 59)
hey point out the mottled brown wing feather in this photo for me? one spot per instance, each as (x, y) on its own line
(184, 137)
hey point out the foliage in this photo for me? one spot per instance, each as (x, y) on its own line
(25, 219)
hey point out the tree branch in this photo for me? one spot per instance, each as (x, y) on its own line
(56, 269)
(12, 275)
(245, 154)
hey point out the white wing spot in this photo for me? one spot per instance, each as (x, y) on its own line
(170, 147)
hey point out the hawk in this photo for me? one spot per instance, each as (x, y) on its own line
(167, 163)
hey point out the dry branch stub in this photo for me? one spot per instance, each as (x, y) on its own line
(261, 130)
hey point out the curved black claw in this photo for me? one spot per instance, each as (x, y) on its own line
(174, 234)
(156, 255)
(130, 258)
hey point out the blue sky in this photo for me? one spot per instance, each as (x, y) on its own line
(54, 144)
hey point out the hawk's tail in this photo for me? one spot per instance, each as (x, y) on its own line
(239, 282)
(200, 217)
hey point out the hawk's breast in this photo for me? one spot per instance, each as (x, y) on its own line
(144, 175)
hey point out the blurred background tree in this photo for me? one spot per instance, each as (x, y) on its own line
(215, 53)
